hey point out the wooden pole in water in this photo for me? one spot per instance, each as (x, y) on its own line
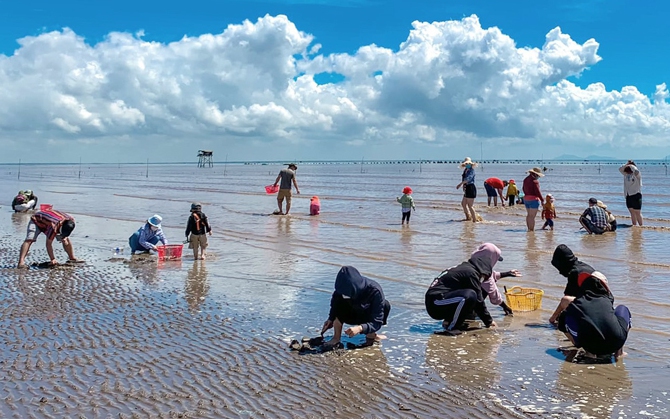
(147, 169)
(20, 169)
(363, 158)
(79, 167)
(225, 165)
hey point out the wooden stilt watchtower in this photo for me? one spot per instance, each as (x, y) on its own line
(205, 158)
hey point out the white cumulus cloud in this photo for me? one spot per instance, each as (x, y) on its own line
(254, 82)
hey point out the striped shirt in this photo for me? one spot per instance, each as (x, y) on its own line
(49, 222)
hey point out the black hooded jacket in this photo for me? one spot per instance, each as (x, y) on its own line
(572, 268)
(366, 296)
(467, 275)
(601, 332)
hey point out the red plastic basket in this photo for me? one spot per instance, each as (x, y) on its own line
(271, 189)
(170, 251)
(46, 207)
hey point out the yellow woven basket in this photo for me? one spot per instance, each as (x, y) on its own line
(524, 299)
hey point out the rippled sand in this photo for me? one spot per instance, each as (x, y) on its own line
(135, 338)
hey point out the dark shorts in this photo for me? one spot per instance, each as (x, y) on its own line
(634, 201)
(470, 190)
(549, 223)
(348, 315)
(490, 190)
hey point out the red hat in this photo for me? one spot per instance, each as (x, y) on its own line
(511, 181)
(407, 190)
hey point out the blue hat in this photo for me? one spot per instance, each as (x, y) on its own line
(155, 220)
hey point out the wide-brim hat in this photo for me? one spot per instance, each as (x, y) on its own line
(467, 160)
(537, 171)
(292, 165)
(155, 220)
(601, 204)
(196, 206)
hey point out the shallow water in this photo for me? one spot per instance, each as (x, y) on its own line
(272, 277)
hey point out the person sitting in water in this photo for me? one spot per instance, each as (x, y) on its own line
(573, 269)
(358, 301)
(611, 219)
(594, 218)
(489, 286)
(55, 225)
(590, 320)
(457, 291)
(24, 201)
(147, 237)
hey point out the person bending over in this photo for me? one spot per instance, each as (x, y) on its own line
(357, 301)
(573, 269)
(457, 291)
(489, 286)
(55, 225)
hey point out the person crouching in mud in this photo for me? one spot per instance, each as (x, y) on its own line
(573, 269)
(457, 291)
(591, 322)
(489, 285)
(358, 301)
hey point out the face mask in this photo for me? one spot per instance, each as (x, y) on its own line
(469, 166)
(346, 297)
(154, 228)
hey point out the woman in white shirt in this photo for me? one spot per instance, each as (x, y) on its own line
(632, 188)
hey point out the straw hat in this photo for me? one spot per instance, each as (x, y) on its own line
(468, 160)
(601, 204)
(537, 171)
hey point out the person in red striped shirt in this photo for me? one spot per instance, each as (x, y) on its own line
(55, 225)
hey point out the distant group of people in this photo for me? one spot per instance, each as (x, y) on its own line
(586, 312)
(596, 219)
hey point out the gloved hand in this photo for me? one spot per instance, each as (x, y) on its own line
(506, 309)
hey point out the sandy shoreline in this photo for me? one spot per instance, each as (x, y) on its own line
(210, 339)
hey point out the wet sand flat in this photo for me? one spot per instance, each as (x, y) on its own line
(136, 338)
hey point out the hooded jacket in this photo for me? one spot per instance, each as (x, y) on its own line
(572, 268)
(601, 332)
(467, 275)
(366, 297)
(489, 287)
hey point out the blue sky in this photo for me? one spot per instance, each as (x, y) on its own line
(632, 45)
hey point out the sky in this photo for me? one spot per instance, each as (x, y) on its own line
(299, 80)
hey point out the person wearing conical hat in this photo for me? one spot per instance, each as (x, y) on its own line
(148, 236)
(532, 196)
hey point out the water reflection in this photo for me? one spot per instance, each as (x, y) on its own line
(467, 361)
(595, 389)
(197, 286)
(635, 254)
(20, 221)
(143, 268)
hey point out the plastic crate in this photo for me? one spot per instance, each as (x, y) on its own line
(170, 251)
(271, 189)
(46, 207)
(524, 299)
